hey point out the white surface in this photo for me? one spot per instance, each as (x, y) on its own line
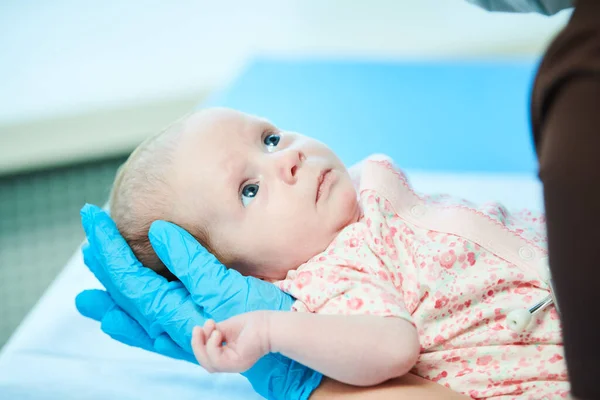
(58, 354)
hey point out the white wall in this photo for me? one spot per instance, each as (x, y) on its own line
(83, 78)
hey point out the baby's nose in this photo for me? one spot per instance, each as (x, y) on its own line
(290, 161)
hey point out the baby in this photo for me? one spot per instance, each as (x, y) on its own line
(387, 281)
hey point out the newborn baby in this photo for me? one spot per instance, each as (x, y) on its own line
(387, 281)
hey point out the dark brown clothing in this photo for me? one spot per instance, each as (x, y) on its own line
(566, 126)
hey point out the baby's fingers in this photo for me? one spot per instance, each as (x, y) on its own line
(224, 358)
(213, 346)
(218, 353)
(209, 327)
(199, 348)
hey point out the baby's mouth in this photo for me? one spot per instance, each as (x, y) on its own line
(323, 183)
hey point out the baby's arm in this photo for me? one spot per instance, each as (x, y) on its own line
(359, 350)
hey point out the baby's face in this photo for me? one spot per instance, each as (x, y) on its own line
(270, 199)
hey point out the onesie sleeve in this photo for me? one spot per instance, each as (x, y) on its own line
(355, 171)
(344, 290)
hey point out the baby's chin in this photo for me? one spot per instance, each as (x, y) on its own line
(266, 271)
(277, 270)
(348, 211)
(278, 273)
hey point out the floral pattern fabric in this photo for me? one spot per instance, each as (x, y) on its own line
(454, 270)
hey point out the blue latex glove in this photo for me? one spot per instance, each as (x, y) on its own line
(142, 309)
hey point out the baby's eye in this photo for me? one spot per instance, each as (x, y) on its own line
(271, 141)
(249, 192)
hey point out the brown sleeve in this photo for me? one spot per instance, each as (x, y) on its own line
(566, 127)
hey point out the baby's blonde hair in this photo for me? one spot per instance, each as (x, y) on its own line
(142, 194)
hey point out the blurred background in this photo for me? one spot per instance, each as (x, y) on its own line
(83, 82)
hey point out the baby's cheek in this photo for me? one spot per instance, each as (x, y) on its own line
(347, 203)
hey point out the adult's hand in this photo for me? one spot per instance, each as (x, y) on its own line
(142, 309)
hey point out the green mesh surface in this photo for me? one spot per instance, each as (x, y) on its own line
(40, 229)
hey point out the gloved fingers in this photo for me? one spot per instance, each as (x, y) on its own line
(171, 308)
(102, 234)
(155, 303)
(189, 261)
(107, 254)
(98, 305)
(263, 295)
(221, 292)
(166, 346)
(94, 303)
(120, 326)
(90, 259)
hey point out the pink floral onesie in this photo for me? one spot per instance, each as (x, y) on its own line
(455, 271)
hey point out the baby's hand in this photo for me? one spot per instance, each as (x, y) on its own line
(233, 345)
